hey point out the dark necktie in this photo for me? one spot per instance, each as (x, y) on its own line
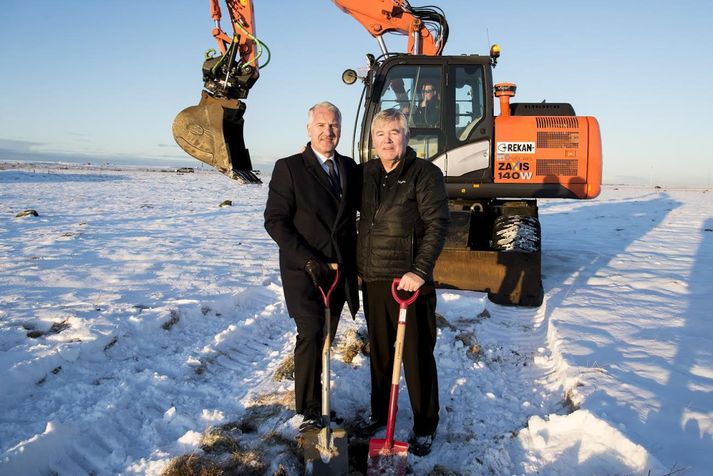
(333, 179)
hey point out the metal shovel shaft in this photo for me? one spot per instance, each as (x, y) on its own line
(326, 372)
(326, 451)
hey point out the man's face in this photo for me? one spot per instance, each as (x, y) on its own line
(324, 131)
(390, 140)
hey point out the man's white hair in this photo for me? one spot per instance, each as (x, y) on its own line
(389, 115)
(323, 105)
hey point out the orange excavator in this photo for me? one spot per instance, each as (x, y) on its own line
(495, 165)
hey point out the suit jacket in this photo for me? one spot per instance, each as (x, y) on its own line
(306, 219)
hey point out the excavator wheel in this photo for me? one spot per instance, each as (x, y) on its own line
(212, 132)
(501, 255)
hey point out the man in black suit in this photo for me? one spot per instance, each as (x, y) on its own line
(311, 215)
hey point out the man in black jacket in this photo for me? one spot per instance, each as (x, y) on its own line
(402, 229)
(311, 215)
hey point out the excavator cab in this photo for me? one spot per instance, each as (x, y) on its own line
(448, 106)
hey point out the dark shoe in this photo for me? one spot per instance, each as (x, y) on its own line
(310, 423)
(420, 445)
(368, 428)
(334, 418)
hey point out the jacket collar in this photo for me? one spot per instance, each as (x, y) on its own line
(314, 166)
(404, 164)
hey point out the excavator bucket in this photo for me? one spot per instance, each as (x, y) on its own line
(212, 132)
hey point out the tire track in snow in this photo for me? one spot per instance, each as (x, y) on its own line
(156, 393)
(486, 399)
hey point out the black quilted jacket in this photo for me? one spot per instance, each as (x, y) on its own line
(407, 231)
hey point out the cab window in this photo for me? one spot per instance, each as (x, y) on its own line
(469, 100)
(417, 91)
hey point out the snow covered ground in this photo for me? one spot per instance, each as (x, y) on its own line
(135, 313)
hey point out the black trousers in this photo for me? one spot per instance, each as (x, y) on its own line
(382, 314)
(308, 355)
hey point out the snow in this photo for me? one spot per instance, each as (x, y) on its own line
(135, 313)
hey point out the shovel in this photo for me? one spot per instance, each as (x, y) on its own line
(388, 456)
(325, 450)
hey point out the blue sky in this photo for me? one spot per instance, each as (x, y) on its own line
(104, 79)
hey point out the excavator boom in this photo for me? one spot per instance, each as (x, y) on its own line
(397, 16)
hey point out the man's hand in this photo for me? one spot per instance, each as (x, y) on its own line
(317, 270)
(410, 282)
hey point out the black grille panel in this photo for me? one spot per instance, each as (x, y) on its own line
(558, 140)
(560, 167)
(558, 122)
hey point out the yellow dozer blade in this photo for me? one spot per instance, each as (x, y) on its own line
(212, 132)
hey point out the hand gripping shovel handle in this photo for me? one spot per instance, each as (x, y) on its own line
(398, 357)
(326, 355)
(325, 296)
(403, 303)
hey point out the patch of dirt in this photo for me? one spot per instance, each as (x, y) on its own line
(172, 320)
(55, 328)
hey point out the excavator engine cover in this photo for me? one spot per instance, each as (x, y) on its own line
(212, 132)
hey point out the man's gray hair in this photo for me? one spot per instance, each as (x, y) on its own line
(389, 115)
(323, 105)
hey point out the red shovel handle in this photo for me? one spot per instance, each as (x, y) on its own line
(403, 303)
(325, 297)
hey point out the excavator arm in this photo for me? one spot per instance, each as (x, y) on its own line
(212, 131)
(426, 28)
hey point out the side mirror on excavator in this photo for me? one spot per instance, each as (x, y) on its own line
(349, 76)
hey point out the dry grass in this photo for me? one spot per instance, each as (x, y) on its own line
(571, 398)
(286, 370)
(353, 343)
(236, 448)
(470, 342)
(220, 439)
(192, 465)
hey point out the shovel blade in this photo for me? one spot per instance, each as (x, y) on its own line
(384, 460)
(322, 459)
(212, 132)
